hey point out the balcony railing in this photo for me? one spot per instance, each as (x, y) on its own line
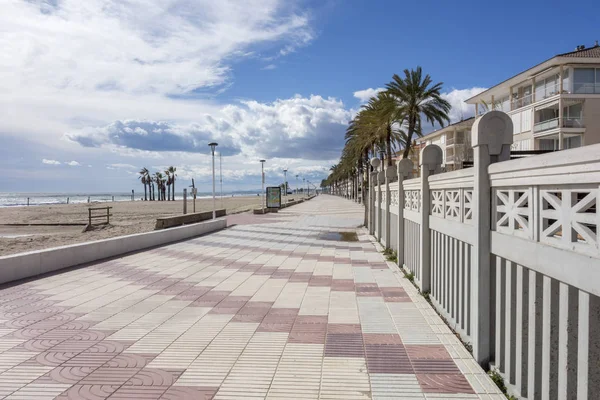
(521, 102)
(572, 122)
(546, 91)
(586, 88)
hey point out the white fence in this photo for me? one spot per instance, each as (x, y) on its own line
(509, 252)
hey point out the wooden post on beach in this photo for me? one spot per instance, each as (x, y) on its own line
(184, 201)
(67, 200)
(113, 199)
(28, 202)
(132, 195)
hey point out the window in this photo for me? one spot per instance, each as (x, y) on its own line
(586, 80)
(546, 87)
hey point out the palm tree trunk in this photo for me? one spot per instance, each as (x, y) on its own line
(145, 192)
(409, 134)
(173, 187)
(388, 140)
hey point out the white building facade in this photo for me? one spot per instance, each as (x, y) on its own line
(554, 105)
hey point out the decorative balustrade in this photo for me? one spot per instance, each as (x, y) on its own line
(510, 254)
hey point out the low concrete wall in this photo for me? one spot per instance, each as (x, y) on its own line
(26, 265)
(178, 220)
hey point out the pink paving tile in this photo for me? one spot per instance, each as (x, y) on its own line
(444, 383)
(152, 377)
(382, 338)
(139, 392)
(89, 392)
(344, 345)
(70, 375)
(189, 393)
(109, 376)
(387, 359)
(430, 351)
(129, 360)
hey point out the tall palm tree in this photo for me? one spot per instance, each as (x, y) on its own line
(172, 171)
(143, 178)
(417, 96)
(168, 182)
(158, 178)
(384, 120)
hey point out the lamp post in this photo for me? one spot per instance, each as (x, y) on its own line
(221, 176)
(285, 183)
(262, 174)
(213, 145)
(297, 184)
(303, 180)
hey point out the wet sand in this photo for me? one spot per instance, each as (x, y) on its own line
(127, 218)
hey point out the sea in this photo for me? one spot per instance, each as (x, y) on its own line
(39, 199)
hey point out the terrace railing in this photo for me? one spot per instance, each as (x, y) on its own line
(509, 252)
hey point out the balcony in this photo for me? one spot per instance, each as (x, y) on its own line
(572, 122)
(521, 102)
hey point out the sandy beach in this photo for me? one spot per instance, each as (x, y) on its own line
(127, 218)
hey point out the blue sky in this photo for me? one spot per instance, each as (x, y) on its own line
(92, 91)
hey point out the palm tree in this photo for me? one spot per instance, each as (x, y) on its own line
(416, 96)
(168, 182)
(172, 172)
(144, 179)
(158, 178)
(383, 119)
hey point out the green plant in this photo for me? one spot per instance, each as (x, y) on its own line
(499, 381)
(425, 294)
(388, 252)
(410, 276)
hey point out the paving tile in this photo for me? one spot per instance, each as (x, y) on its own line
(264, 309)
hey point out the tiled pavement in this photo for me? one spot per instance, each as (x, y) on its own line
(265, 309)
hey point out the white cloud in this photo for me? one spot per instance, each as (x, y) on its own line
(366, 94)
(73, 164)
(120, 166)
(269, 67)
(456, 98)
(50, 162)
(299, 127)
(88, 63)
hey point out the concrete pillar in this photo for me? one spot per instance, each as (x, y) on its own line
(378, 217)
(491, 136)
(390, 174)
(431, 162)
(373, 193)
(404, 171)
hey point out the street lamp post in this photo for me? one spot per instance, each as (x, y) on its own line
(285, 183)
(297, 184)
(213, 145)
(221, 176)
(262, 174)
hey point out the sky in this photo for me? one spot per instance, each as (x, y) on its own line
(92, 91)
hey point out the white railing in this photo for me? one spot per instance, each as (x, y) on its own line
(510, 255)
(586, 88)
(546, 125)
(521, 102)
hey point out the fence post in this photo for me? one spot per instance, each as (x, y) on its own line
(491, 137)
(372, 194)
(185, 201)
(431, 162)
(405, 167)
(380, 180)
(390, 173)
(372, 199)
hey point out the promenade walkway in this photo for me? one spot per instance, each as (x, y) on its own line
(272, 307)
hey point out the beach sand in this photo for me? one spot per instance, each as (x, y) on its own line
(128, 217)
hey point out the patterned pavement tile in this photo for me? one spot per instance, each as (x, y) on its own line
(267, 308)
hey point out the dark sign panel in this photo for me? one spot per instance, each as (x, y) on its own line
(274, 197)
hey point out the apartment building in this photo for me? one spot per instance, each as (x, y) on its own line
(455, 142)
(554, 105)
